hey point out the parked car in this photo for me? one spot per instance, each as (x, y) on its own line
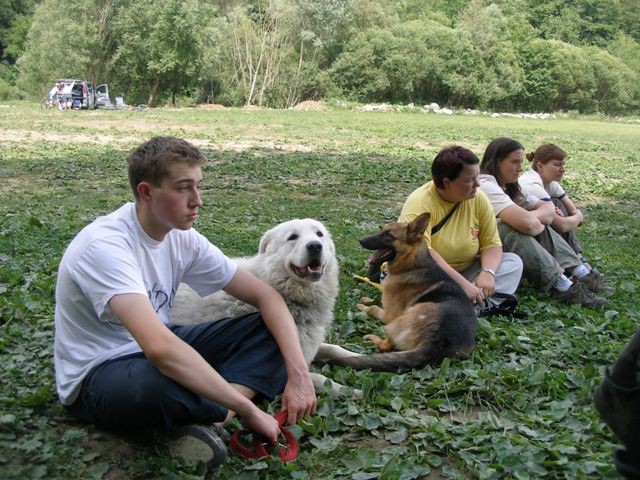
(81, 93)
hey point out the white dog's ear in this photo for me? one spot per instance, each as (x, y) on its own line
(327, 234)
(265, 240)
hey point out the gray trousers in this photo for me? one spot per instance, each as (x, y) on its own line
(569, 237)
(507, 275)
(544, 257)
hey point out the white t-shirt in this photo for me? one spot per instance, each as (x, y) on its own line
(113, 256)
(500, 200)
(532, 181)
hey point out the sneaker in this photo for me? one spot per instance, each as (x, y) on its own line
(594, 282)
(221, 431)
(198, 443)
(579, 295)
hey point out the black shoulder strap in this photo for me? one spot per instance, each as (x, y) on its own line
(436, 228)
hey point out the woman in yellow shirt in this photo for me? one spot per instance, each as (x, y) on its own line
(467, 245)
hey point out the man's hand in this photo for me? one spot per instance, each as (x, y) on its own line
(299, 397)
(262, 423)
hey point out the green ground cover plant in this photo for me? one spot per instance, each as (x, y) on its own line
(519, 407)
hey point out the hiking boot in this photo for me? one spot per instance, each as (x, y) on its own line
(594, 281)
(198, 443)
(579, 295)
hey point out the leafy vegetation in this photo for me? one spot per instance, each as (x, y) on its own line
(519, 407)
(527, 55)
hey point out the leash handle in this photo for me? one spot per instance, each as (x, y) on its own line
(287, 451)
(281, 418)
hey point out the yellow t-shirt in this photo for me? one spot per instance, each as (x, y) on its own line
(470, 230)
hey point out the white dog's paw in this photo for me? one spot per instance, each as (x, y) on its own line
(328, 351)
(322, 383)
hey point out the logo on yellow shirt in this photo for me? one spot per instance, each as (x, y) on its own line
(475, 231)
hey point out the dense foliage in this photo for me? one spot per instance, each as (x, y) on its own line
(530, 55)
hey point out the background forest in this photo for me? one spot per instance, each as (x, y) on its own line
(501, 55)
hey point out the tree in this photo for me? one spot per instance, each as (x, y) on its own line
(436, 10)
(322, 28)
(616, 85)
(15, 18)
(216, 75)
(358, 69)
(262, 41)
(575, 80)
(498, 75)
(630, 15)
(539, 62)
(431, 64)
(587, 22)
(60, 46)
(417, 61)
(158, 49)
(626, 49)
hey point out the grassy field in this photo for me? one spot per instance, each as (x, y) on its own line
(520, 407)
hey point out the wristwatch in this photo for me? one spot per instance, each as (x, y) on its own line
(489, 270)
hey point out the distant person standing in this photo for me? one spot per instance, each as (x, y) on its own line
(58, 95)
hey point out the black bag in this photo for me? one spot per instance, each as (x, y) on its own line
(508, 307)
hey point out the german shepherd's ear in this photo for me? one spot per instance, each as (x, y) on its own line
(416, 229)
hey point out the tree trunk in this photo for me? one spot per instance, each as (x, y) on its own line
(152, 92)
(256, 71)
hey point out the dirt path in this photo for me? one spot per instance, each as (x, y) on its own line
(28, 136)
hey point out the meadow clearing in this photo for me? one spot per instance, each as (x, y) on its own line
(519, 407)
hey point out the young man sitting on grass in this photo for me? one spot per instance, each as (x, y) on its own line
(121, 364)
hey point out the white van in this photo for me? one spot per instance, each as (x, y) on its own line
(80, 93)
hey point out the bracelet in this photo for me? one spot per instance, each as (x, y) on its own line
(489, 270)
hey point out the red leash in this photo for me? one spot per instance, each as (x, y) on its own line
(287, 451)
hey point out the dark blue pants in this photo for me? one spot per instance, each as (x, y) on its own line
(130, 394)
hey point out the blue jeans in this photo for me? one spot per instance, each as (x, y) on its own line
(130, 394)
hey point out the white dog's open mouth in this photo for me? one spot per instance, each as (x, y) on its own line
(313, 270)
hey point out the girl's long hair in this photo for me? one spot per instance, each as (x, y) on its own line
(496, 151)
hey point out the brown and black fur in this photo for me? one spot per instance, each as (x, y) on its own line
(427, 315)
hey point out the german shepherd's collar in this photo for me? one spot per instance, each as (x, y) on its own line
(427, 315)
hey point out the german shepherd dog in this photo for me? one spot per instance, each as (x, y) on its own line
(427, 315)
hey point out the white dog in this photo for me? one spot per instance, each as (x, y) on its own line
(298, 259)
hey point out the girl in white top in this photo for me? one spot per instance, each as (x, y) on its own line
(542, 180)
